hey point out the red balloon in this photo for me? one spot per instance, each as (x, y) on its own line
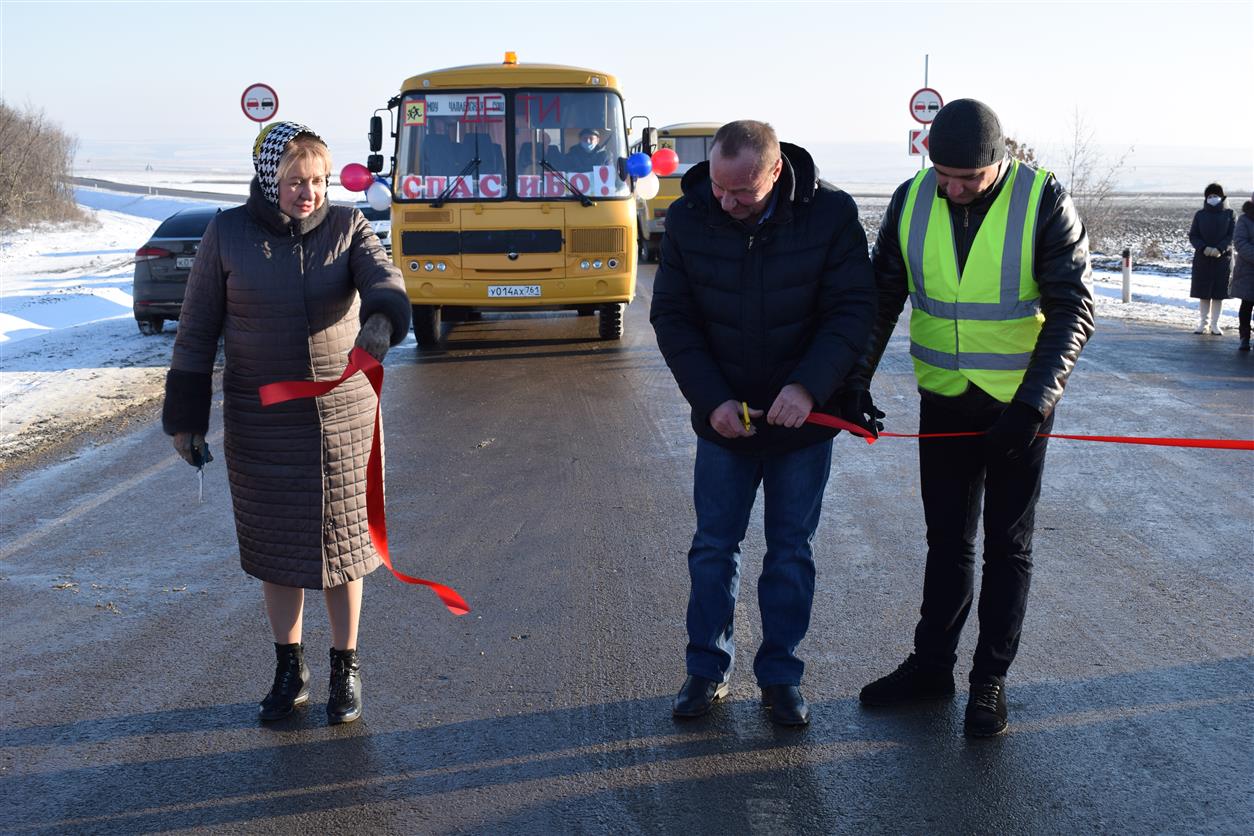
(665, 161)
(356, 177)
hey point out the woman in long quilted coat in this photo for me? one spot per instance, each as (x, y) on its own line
(291, 284)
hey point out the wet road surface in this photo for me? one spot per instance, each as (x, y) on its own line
(547, 476)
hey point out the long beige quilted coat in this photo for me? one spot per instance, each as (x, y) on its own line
(288, 304)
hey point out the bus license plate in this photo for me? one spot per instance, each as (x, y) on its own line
(503, 291)
(184, 263)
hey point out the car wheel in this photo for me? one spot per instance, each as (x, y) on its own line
(151, 325)
(610, 324)
(427, 325)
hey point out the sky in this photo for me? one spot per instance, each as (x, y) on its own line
(1149, 76)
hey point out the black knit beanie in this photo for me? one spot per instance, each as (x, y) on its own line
(966, 134)
(1214, 188)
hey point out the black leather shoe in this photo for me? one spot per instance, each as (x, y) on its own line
(986, 710)
(344, 698)
(697, 695)
(911, 682)
(291, 683)
(788, 707)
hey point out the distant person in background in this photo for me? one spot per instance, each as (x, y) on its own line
(1211, 237)
(588, 154)
(291, 283)
(1242, 286)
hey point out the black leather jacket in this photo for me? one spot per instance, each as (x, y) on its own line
(1061, 267)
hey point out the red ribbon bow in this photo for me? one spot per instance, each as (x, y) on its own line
(361, 361)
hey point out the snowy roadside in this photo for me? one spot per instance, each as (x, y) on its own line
(72, 359)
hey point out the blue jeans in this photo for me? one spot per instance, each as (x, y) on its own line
(725, 485)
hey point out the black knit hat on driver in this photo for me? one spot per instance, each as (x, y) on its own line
(966, 134)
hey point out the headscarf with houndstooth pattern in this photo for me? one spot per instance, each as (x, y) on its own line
(268, 151)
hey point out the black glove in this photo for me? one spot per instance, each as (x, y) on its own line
(1013, 432)
(856, 407)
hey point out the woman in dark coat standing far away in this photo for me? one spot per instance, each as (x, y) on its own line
(291, 284)
(1242, 286)
(1211, 237)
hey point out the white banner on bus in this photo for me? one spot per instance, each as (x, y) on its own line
(599, 182)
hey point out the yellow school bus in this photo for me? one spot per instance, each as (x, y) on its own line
(691, 143)
(511, 192)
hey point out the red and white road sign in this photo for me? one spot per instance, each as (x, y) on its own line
(260, 103)
(925, 104)
(918, 141)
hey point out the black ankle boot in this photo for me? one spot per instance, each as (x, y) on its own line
(344, 701)
(291, 682)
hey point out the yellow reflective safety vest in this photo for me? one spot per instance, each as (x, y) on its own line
(978, 325)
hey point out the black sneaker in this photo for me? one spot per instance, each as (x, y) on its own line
(986, 710)
(911, 682)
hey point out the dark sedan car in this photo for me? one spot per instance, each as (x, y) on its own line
(162, 265)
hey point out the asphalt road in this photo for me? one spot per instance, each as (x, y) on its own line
(547, 477)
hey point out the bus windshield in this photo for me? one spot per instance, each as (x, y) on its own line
(563, 145)
(690, 150)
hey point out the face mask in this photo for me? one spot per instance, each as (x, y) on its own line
(1214, 200)
(589, 144)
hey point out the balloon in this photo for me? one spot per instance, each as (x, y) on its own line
(665, 161)
(356, 177)
(638, 164)
(379, 196)
(647, 186)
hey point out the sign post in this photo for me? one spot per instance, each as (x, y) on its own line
(924, 105)
(260, 103)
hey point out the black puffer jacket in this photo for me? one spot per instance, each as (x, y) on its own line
(1061, 267)
(742, 312)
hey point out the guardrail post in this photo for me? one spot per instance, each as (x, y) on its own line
(1127, 275)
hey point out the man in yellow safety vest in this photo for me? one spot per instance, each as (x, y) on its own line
(994, 260)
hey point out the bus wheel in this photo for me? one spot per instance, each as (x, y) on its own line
(427, 325)
(610, 325)
(151, 325)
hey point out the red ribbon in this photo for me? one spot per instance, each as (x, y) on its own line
(825, 420)
(361, 361)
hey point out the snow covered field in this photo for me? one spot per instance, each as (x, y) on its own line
(72, 359)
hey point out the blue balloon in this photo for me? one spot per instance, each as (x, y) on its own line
(639, 164)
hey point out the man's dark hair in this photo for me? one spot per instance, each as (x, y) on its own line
(758, 138)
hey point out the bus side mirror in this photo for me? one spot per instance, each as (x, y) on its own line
(648, 141)
(375, 163)
(376, 137)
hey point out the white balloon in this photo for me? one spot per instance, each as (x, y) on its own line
(647, 186)
(379, 196)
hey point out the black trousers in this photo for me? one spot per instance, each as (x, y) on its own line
(1243, 318)
(956, 478)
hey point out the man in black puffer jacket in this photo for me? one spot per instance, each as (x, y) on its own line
(994, 260)
(763, 302)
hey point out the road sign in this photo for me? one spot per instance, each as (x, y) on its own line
(918, 141)
(259, 102)
(925, 104)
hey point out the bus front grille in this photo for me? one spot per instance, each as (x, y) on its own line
(598, 240)
(428, 216)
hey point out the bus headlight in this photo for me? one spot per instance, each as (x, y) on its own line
(441, 266)
(428, 266)
(596, 265)
(583, 265)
